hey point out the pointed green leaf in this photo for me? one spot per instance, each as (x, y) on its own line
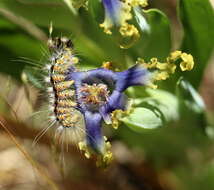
(191, 105)
(190, 96)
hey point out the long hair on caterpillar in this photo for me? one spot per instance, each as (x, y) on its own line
(62, 112)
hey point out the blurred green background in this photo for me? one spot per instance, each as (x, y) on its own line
(166, 143)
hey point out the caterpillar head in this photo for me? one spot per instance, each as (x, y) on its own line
(55, 44)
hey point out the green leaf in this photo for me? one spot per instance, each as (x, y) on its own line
(191, 105)
(155, 34)
(165, 102)
(197, 18)
(143, 118)
(97, 10)
(168, 103)
(190, 96)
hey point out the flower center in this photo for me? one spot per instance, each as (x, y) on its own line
(94, 95)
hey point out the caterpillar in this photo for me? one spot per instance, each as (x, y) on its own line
(61, 92)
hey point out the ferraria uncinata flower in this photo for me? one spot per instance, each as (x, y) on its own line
(99, 92)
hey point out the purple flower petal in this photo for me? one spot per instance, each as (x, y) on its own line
(116, 101)
(112, 10)
(136, 75)
(94, 139)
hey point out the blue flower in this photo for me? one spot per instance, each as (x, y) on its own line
(99, 92)
(118, 13)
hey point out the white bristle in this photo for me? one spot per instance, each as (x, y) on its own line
(52, 100)
(52, 118)
(50, 89)
(52, 59)
(60, 128)
(47, 67)
(47, 79)
(51, 108)
(51, 95)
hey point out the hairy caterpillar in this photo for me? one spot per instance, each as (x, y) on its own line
(64, 114)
